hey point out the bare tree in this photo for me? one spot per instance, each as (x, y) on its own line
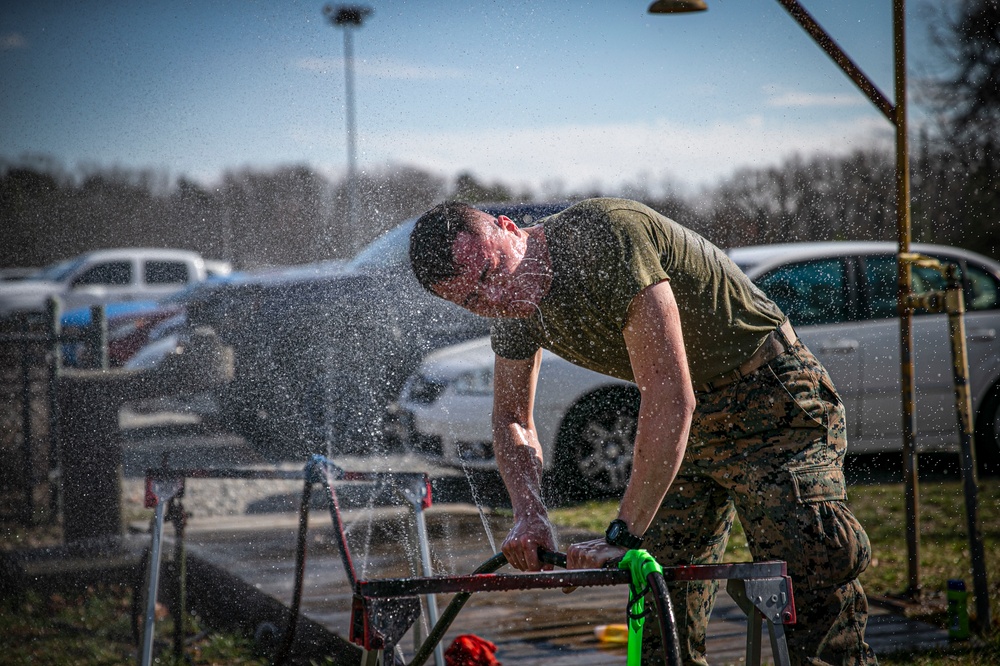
(388, 196)
(822, 198)
(471, 191)
(962, 158)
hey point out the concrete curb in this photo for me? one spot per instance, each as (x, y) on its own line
(230, 603)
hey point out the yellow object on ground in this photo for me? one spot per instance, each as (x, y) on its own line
(612, 633)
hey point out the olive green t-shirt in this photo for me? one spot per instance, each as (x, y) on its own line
(603, 253)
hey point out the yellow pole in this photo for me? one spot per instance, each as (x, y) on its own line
(907, 387)
(955, 305)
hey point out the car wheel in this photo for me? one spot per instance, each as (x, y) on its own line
(594, 446)
(276, 421)
(243, 416)
(988, 435)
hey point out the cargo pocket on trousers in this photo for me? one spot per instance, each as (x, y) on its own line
(837, 548)
(819, 483)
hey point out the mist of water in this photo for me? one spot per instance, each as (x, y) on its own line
(479, 507)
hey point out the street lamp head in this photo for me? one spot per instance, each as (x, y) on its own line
(346, 15)
(677, 6)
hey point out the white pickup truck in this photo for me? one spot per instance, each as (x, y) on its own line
(108, 276)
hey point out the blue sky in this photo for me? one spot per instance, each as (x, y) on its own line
(540, 94)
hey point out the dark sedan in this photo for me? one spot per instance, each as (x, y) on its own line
(320, 354)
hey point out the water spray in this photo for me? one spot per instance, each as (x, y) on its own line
(384, 610)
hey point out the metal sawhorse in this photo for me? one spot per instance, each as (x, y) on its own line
(384, 610)
(763, 590)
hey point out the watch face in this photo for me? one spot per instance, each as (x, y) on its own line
(615, 531)
(617, 534)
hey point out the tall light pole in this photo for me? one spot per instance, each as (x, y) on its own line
(349, 17)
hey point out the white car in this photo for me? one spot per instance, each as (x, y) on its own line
(108, 276)
(841, 298)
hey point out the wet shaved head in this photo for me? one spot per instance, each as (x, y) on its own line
(433, 239)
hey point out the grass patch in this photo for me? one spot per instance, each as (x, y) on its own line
(944, 550)
(971, 653)
(92, 628)
(944, 540)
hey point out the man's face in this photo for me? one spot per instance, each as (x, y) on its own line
(485, 282)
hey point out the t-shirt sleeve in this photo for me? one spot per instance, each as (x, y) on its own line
(513, 339)
(635, 265)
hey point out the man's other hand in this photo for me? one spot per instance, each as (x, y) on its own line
(592, 554)
(522, 543)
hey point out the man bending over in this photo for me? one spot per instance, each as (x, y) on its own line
(737, 417)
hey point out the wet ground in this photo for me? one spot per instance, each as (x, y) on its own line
(248, 528)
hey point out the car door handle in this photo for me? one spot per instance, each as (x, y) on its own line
(839, 346)
(982, 334)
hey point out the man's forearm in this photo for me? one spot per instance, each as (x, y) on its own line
(661, 439)
(519, 459)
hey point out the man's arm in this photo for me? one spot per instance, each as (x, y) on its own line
(659, 364)
(519, 458)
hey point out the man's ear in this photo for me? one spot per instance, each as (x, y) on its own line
(506, 223)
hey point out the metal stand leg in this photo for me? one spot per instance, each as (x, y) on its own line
(377, 657)
(753, 637)
(779, 646)
(371, 658)
(418, 496)
(769, 599)
(164, 490)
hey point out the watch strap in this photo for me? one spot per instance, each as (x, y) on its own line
(617, 534)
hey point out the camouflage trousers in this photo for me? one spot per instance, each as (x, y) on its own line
(769, 448)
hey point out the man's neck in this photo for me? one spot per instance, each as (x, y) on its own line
(535, 269)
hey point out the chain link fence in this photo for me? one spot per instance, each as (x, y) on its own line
(28, 420)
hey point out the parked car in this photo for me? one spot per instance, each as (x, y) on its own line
(107, 276)
(841, 297)
(76, 322)
(133, 324)
(322, 350)
(16, 273)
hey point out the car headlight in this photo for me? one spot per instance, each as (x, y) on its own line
(474, 382)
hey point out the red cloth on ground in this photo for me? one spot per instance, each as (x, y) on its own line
(470, 650)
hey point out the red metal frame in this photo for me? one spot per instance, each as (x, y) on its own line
(383, 610)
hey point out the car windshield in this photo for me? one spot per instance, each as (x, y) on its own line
(387, 251)
(57, 272)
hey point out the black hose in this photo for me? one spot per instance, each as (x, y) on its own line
(300, 570)
(448, 616)
(665, 615)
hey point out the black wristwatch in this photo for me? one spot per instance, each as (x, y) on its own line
(617, 534)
